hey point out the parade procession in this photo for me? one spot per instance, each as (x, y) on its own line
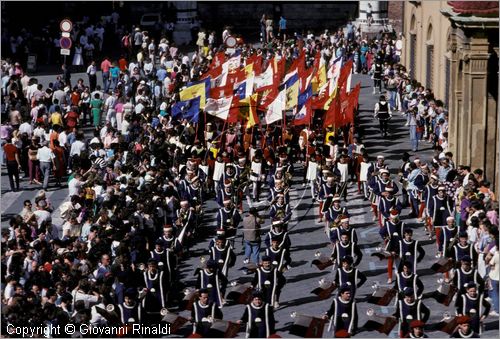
(287, 183)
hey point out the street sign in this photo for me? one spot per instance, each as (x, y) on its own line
(66, 25)
(65, 43)
(230, 41)
(65, 51)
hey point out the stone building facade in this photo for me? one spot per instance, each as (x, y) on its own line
(452, 47)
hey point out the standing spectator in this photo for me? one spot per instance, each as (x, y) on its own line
(92, 74)
(369, 15)
(282, 28)
(96, 107)
(13, 164)
(105, 67)
(60, 162)
(46, 158)
(114, 72)
(138, 37)
(33, 162)
(251, 236)
(269, 29)
(262, 24)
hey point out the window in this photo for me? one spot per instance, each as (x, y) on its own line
(413, 54)
(429, 66)
(447, 79)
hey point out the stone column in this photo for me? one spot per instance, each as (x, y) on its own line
(475, 68)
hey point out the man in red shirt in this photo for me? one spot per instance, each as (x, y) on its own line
(105, 66)
(13, 164)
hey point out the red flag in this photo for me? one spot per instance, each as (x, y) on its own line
(344, 74)
(212, 73)
(279, 70)
(236, 77)
(266, 98)
(218, 60)
(353, 104)
(234, 112)
(256, 60)
(333, 114)
(318, 102)
(221, 92)
(299, 63)
(304, 116)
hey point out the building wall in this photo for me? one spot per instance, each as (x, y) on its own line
(395, 15)
(301, 16)
(464, 71)
(427, 15)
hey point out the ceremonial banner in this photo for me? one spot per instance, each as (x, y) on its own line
(188, 109)
(219, 107)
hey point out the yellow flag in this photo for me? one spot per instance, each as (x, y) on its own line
(194, 91)
(249, 70)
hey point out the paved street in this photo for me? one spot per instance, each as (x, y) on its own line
(307, 235)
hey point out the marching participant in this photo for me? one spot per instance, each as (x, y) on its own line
(225, 193)
(213, 280)
(259, 317)
(440, 208)
(346, 274)
(280, 256)
(464, 329)
(466, 275)
(326, 190)
(269, 280)
(463, 248)
(407, 279)
(473, 305)
(387, 203)
(157, 290)
(222, 253)
(408, 249)
(203, 313)
(280, 210)
(345, 247)
(447, 236)
(277, 232)
(129, 310)
(409, 309)
(166, 259)
(417, 330)
(429, 191)
(343, 167)
(335, 212)
(343, 312)
(228, 218)
(392, 233)
(335, 233)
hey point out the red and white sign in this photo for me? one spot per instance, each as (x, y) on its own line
(66, 25)
(230, 41)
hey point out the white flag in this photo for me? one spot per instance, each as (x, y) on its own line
(275, 109)
(219, 107)
(265, 79)
(233, 63)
